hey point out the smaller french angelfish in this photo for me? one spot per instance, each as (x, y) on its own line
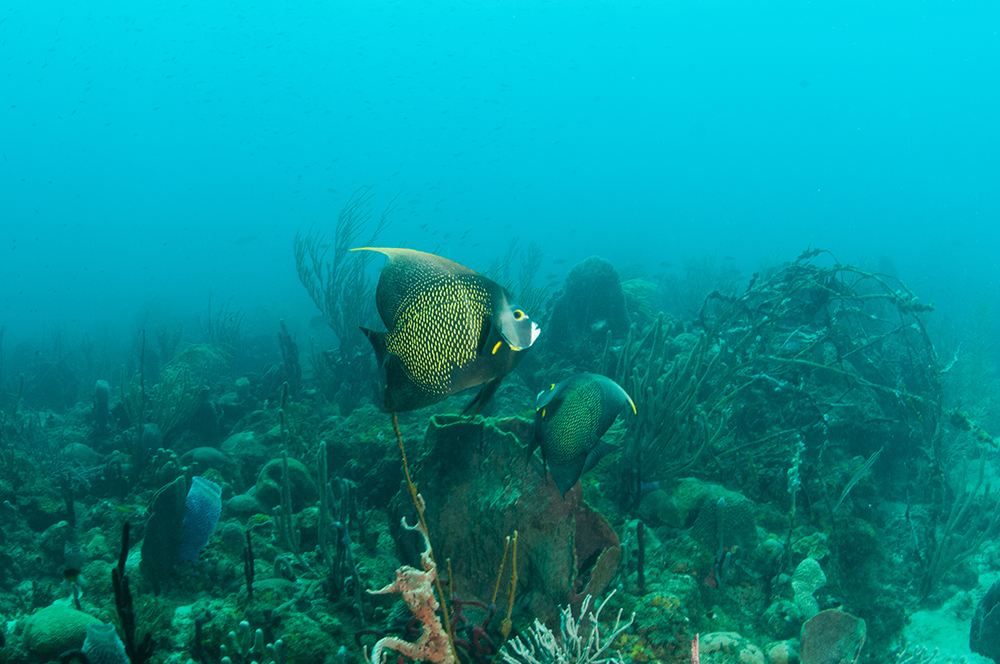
(570, 418)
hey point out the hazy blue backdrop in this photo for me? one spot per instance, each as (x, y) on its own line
(155, 155)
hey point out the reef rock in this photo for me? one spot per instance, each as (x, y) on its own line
(201, 459)
(728, 647)
(480, 485)
(301, 485)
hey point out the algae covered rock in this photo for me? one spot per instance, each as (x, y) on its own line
(55, 538)
(663, 617)
(201, 459)
(301, 485)
(249, 450)
(55, 629)
(726, 647)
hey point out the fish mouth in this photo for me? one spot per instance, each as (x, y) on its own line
(535, 331)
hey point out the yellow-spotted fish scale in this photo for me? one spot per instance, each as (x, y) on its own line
(438, 332)
(570, 418)
(448, 329)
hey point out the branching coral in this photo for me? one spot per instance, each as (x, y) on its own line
(337, 283)
(417, 588)
(681, 392)
(801, 346)
(971, 519)
(577, 643)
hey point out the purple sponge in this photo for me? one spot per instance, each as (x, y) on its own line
(204, 507)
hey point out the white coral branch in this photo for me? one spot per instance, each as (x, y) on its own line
(542, 646)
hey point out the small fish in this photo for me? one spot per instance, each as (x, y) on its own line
(71, 574)
(570, 418)
(448, 329)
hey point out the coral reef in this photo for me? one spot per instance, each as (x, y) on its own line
(797, 482)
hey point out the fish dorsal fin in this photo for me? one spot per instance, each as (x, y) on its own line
(613, 398)
(407, 270)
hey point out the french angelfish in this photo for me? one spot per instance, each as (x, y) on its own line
(448, 329)
(570, 418)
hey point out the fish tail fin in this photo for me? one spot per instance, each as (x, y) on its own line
(377, 340)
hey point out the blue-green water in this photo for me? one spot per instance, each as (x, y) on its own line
(159, 160)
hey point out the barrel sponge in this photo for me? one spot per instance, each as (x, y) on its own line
(726, 514)
(203, 509)
(56, 629)
(103, 646)
(591, 304)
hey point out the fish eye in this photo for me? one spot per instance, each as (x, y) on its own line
(518, 314)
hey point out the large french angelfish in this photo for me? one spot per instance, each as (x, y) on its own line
(449, 328)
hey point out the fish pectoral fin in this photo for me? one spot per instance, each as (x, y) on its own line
(597, 452)
(537, 437)
(568, 474)
(481, 399)
(489, 338)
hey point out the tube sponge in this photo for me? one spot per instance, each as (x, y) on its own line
(102, 645)
(203, 509)
(102, 393)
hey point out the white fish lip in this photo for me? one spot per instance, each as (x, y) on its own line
(535, 331)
